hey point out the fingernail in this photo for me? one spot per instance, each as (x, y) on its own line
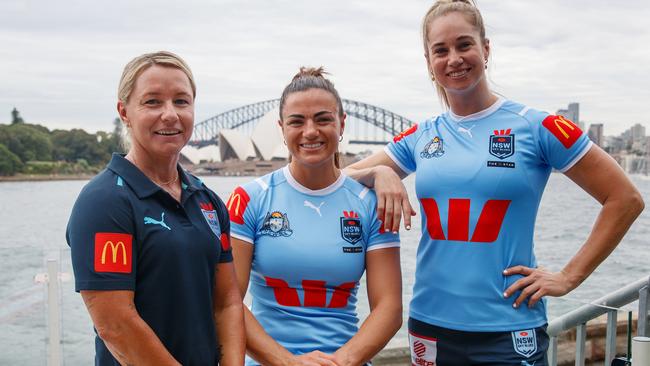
(505, 294)
(514, 305)
(408, 227)
(505, 271)
(395, 232)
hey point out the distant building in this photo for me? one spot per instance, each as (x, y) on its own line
(572, 113)
(595, 134)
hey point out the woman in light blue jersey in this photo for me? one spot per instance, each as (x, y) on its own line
(481, 169)
(303, 237)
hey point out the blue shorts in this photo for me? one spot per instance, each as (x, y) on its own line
(435, 346)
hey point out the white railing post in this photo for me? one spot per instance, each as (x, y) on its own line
(53, 313)
(644, 306)
(610, 336)
(581, 343)
(552, 351)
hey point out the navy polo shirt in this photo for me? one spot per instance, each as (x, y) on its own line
(126, 233)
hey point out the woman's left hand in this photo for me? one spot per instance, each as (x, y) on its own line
(536, 283)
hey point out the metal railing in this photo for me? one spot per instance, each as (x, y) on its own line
(608, 304)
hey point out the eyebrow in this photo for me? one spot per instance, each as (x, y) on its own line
(315, 115)
(461, 38)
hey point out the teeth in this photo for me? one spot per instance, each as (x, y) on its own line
(168, 132)
(457, 73)
(311, 146)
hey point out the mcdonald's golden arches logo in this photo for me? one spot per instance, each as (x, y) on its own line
(564, 130)
(237, 204)
(113, 252)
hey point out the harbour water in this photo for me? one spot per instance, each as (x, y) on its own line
(33, 216)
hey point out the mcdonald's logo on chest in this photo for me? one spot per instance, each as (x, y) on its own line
(113, 252)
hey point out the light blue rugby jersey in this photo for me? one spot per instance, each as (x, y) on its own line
(309, 255)
(479, 182)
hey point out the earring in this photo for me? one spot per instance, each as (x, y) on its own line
(340, 138)
(433, 78)
(285, 141)
(486, 62)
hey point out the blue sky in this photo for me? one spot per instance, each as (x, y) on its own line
(61, 60)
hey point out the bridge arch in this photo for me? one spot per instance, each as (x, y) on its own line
(207, 131)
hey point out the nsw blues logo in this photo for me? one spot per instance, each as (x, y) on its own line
(276, 224)
(351, 230)
(525, 342)
(502, 144)
(210, 215)
(433, 149)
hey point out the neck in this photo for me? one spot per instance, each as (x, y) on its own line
(160, 169)
(316, 177)
(471, 100)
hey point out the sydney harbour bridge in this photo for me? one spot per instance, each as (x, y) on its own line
(365, 124)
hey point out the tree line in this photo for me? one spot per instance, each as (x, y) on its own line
(34, 149)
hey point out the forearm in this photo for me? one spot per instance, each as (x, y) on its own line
(375, 332)
(365, 176)
(613, 221)
(132, 342)
(261, 346)
(229, 322)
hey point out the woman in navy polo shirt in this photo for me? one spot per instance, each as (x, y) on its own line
(150, 243)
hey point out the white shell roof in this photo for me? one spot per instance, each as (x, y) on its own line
(240, 144)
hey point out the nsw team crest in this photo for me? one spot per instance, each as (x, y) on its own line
(351, 230)
(525, 342)
(502, 144)
(433, 149)
(210, 215)
(276, 224)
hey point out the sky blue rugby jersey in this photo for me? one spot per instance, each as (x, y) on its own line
(479, 182)
(309, 254)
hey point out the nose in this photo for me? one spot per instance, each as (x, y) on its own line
(169, 113)
(311, 129)
(455, 59)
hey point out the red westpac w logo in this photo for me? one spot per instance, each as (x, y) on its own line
(315, 293)
(487, 228)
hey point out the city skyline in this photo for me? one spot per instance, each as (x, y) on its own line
(61, 61)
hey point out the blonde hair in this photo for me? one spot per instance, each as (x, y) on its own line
(312, 78)
(443, 7)
(136, 67)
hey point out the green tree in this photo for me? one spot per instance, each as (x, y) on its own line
(28, 142)
(15, 117)
(79, 144)
(10, 164)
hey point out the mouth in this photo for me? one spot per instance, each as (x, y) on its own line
(458, 74)
(168, 132)
(312, 146)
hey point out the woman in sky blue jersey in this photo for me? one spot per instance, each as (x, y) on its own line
(481, 170)
(303, 237)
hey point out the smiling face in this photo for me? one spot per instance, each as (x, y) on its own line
(311, 125)
(456, 54)
(159, 112)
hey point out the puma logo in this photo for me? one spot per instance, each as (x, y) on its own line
(148, 220)
(468, 131)
(317, 209)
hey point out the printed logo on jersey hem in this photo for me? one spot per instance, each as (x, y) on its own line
(405, 133)
(237, 204)
(351, 230)
(424, 350)
(113, 252)
(524, 342)
(564, 130)
(502, 144)
(210, 215)
(276, 224)
(433, 149)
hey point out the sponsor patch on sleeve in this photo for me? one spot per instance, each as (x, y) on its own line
(225, 241)
(424, 350)
(405, 133)
(113, 252)
(237, 204)
(563, 129)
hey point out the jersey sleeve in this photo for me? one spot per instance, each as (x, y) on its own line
(224, 225)
(376, 239)
(101, 235)
(242, 216)
(401, 149)
(562, 143)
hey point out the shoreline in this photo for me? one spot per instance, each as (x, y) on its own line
(44, 177)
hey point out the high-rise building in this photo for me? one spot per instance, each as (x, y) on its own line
(596, 133)
(572, 113)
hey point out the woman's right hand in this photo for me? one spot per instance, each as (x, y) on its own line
(314, 358)
(392, 200)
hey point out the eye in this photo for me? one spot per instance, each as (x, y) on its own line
(152, 102)
(325, 120)
(294, 122)
(181, 101)
(464, 45)
(439, 51)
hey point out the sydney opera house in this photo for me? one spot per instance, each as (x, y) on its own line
(264, 144)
